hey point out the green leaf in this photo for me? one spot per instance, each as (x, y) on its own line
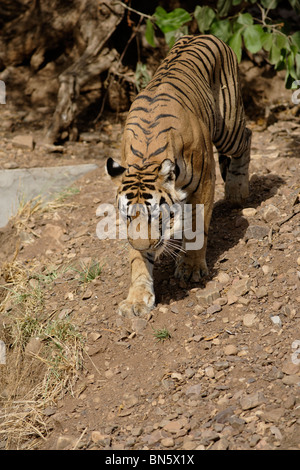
(149, 34)
(235, 42)
(223, 7)
(237, 26)
(275, 54)
(269, 4)
(204, 17)
(245, 19)
(160, 12)
(253, 36)
(221, 29)
(282, 41)
(297, 60)
(295, 4)
(294, 50)
(289, 80)
(267, 41)
(171, 21)
(142, 77)
(172, 36)
(281, 65)
(296, 39)
(290, 65)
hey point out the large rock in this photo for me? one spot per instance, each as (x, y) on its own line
(28, 183)
(209, 294)
(256, 232)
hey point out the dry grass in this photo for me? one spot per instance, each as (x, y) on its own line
(33, 378)
(28, 209)
(23, 421)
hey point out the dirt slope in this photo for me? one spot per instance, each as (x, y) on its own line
(228, 377)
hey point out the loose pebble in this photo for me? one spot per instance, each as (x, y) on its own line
(249, 319)
(249, 212)
(230, 350)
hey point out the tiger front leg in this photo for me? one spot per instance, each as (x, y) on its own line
(237, 175)
(141, 298)
(192, 265)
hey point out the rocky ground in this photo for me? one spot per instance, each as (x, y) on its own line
(228, 375)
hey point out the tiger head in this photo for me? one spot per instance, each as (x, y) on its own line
(149, 202)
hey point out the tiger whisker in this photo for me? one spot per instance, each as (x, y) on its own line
(168, 252)
(173, 248)
(176, 246)
(171, 252)
(172, 241)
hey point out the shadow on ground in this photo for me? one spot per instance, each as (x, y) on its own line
(228, 227)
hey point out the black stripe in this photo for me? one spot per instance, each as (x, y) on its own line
(158, 97)
(192, 175)
(162, 116)
(140, 108)
(166, 130)
(134, 133)
(130, 195)
(159, 151)
(145, 131)
(182, 93)
(144, 97)
(125, 187)
(147, 196)
(200, 177)
(135, 152)
(150, 181)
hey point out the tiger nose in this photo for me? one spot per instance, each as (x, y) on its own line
(140, 244)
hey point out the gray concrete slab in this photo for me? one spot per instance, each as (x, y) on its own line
(26, 184)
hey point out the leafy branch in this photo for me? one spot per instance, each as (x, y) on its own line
(241, 31)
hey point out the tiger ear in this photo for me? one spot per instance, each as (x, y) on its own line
(114, 169)
(170, 169)
(166, 167)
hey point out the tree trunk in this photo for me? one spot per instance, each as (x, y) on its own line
(71, 35)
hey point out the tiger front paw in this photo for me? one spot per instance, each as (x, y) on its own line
(191, 271)
(137, 305)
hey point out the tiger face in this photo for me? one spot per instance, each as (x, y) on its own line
(149, 203)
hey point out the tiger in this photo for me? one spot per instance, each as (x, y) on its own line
(192, 103)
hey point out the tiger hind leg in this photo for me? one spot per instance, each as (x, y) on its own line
(224, 163)
(235, 172)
